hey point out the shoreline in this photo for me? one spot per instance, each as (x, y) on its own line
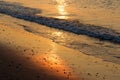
(30, 14)
(28, 51)
(37, 47)
(102, 49)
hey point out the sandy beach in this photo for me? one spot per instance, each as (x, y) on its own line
(59, 40)
(27, 56)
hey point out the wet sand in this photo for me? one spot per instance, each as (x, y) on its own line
(74, 26)
(25, 56)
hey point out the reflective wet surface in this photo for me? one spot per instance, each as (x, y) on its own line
(103, 49)
(103, 13)
(32, 57)
(31, 61)
(51, 61)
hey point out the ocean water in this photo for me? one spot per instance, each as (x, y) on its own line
(90, 26)
(105, 13)
(99, 19)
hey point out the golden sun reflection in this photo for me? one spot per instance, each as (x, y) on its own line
(61, 7)
(57, 34)
(53, 65)
(53, 58)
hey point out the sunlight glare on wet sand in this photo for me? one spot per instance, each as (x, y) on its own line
(53, 65)
(57, 33)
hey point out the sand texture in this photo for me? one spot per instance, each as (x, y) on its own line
(25, 56)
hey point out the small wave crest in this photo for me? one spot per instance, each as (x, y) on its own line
(29, 14)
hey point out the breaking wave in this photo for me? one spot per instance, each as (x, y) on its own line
(29, 14)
